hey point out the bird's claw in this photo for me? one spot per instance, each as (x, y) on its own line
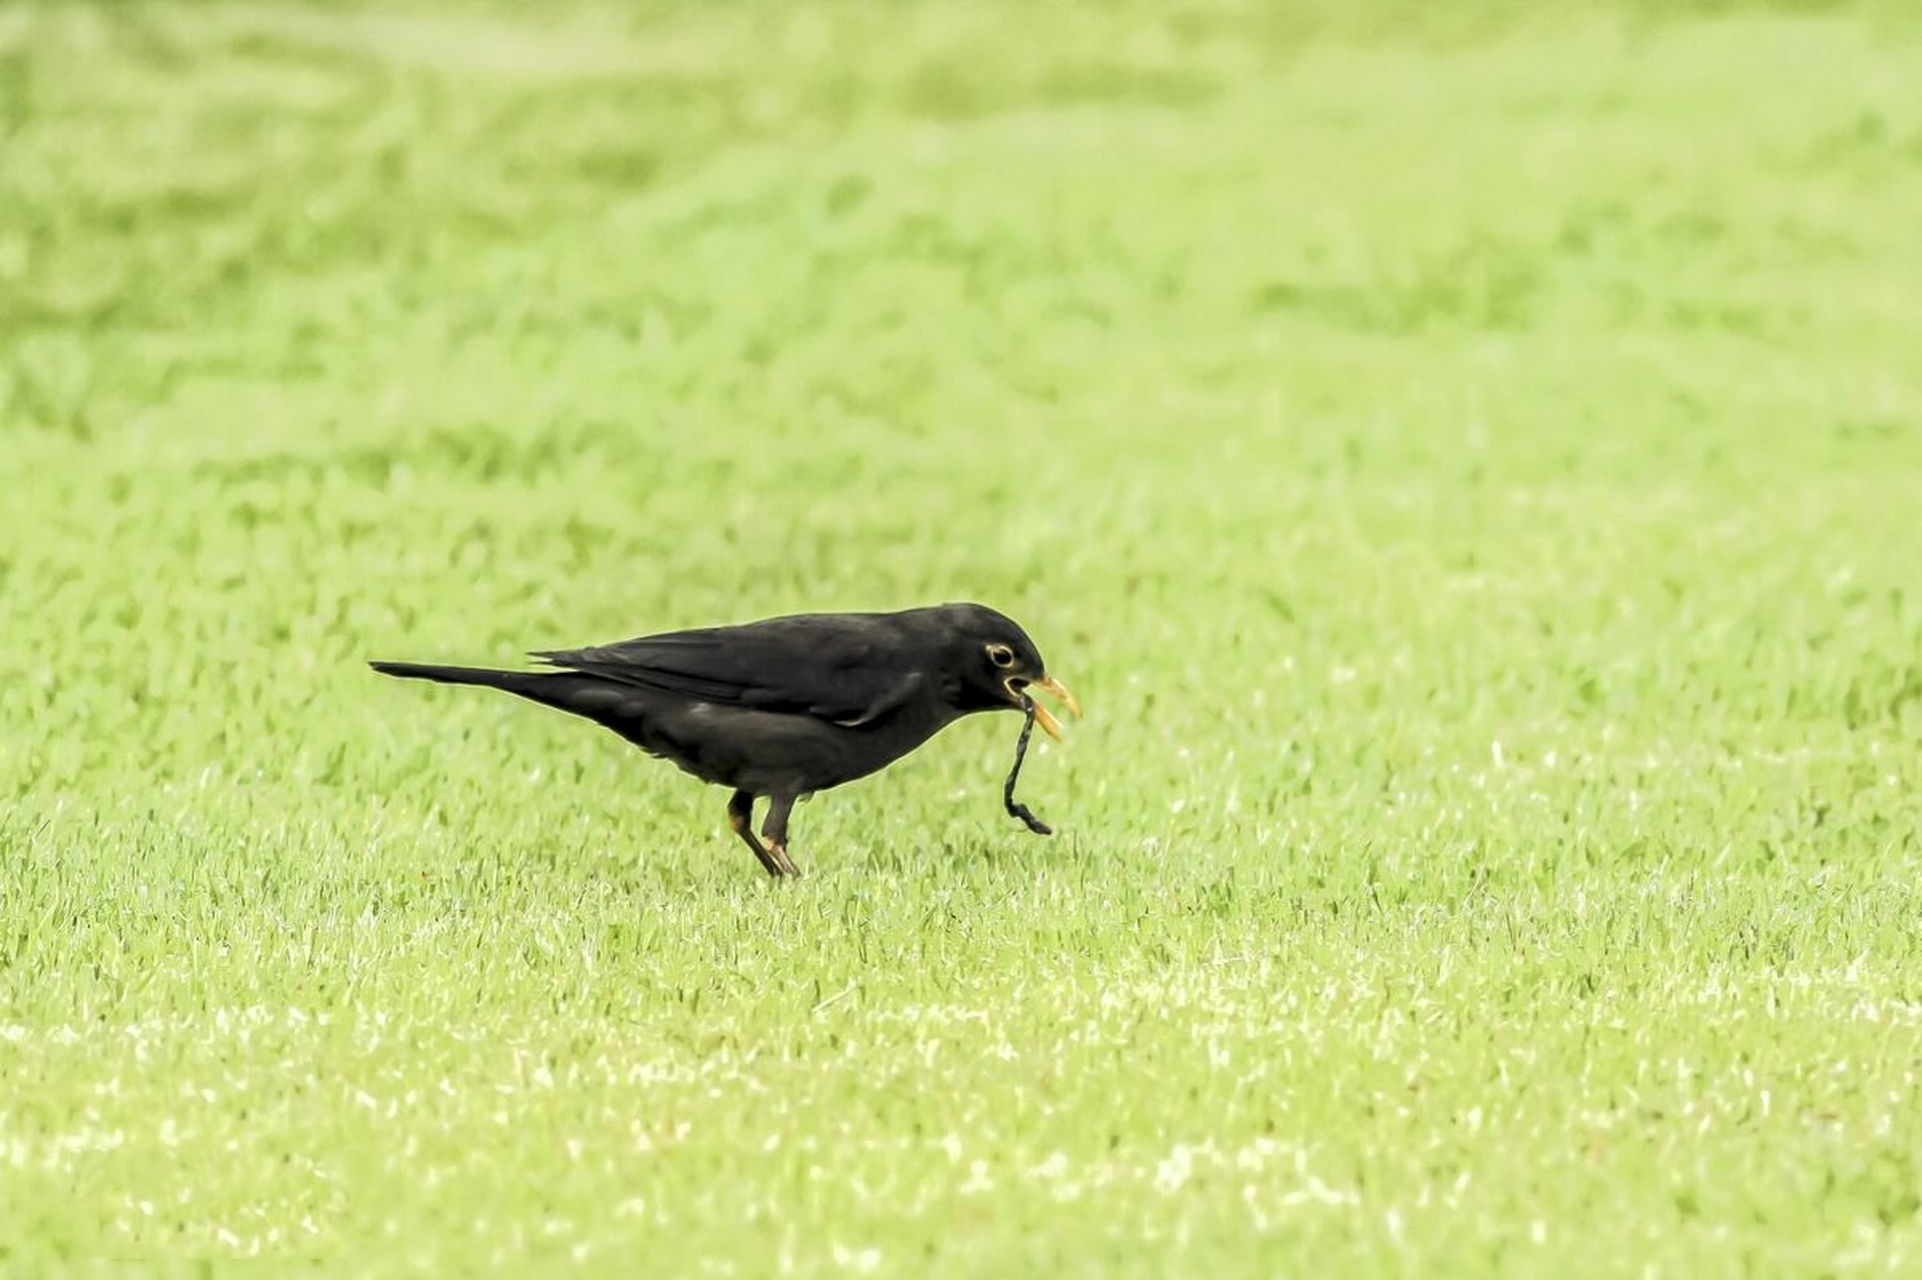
(777, 849)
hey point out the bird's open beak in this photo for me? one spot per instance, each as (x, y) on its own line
(1042, 715)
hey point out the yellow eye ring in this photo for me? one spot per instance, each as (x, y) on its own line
(1000, 655)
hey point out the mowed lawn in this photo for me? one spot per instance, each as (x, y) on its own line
(1468, 461)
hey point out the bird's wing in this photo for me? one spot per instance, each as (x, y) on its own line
(847, 669)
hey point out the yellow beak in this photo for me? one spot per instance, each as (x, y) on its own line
(1042, 715)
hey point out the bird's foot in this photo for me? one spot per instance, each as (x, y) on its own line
(777, 850)
(737, 822)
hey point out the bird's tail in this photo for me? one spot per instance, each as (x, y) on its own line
(513, 681)
(585, 695)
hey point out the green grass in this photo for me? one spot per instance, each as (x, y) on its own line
(1466, 460)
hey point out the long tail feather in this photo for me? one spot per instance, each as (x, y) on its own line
(511, 680)
(609, 703)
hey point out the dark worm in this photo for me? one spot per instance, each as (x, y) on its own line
(1015, 807)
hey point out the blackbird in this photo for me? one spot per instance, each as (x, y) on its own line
(788, 706)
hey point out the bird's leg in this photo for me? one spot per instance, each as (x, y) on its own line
(740, 820)
(774, 831)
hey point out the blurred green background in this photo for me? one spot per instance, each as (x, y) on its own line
(1466, 457)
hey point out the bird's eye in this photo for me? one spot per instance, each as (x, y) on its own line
(1000, 655)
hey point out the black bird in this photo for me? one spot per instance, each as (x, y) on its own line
(788, 706)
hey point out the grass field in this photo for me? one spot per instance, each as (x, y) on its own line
(1466, 458)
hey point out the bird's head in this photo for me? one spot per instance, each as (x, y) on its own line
(991, 664)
